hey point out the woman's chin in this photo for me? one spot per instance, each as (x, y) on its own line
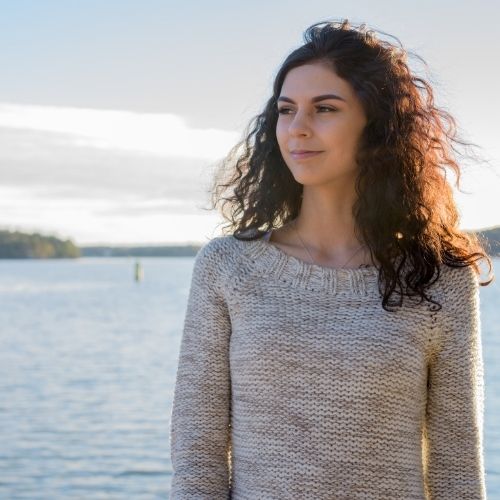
(309, 177)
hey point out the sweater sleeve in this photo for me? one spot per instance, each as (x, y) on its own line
(453, 427)
(200, 418)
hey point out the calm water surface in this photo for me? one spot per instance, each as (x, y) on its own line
(87, 369)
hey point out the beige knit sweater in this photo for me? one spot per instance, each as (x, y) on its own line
(294, 383)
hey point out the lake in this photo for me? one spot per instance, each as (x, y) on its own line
(87, 371)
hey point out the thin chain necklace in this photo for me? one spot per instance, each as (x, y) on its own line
(307, 250)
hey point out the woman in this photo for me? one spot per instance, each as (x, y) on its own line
(298, 377)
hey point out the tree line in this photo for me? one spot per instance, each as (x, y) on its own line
(17, 245)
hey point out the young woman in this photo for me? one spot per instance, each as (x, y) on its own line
(331, 346)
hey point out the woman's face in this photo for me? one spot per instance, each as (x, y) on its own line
(311, 118)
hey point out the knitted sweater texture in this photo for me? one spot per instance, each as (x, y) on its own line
(294, 383)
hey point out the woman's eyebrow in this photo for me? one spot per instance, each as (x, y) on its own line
(314, 99)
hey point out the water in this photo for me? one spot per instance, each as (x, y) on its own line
(87, 370)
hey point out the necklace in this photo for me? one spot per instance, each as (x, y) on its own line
(309, 253)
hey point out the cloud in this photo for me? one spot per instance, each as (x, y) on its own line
(45, 165)
(52, 181)
(160, 134)
(102, 221)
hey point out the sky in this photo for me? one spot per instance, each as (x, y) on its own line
(114, 114)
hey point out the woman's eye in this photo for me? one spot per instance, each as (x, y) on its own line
(326, 108)
(285, 111)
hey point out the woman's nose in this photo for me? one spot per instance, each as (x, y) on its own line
(299, 125)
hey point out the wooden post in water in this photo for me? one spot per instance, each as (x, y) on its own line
(139, 273)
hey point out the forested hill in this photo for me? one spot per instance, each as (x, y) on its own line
(492, 237)
(17, 245)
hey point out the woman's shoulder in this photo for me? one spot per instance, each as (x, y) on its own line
(219, 261)
(225, 247)
(458, 279)
(456, 287)
(220, 254)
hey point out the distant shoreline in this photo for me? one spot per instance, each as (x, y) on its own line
(17, 245)
(142, 251)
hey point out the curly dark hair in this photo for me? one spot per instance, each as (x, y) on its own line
(405, 210)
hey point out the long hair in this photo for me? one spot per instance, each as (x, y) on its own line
(405, 210)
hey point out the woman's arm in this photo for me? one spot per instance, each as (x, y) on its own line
(453, 434)
(200, 420)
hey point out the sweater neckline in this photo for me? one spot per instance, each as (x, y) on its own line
(295, 272)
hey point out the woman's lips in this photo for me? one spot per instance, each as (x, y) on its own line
(304, 154)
